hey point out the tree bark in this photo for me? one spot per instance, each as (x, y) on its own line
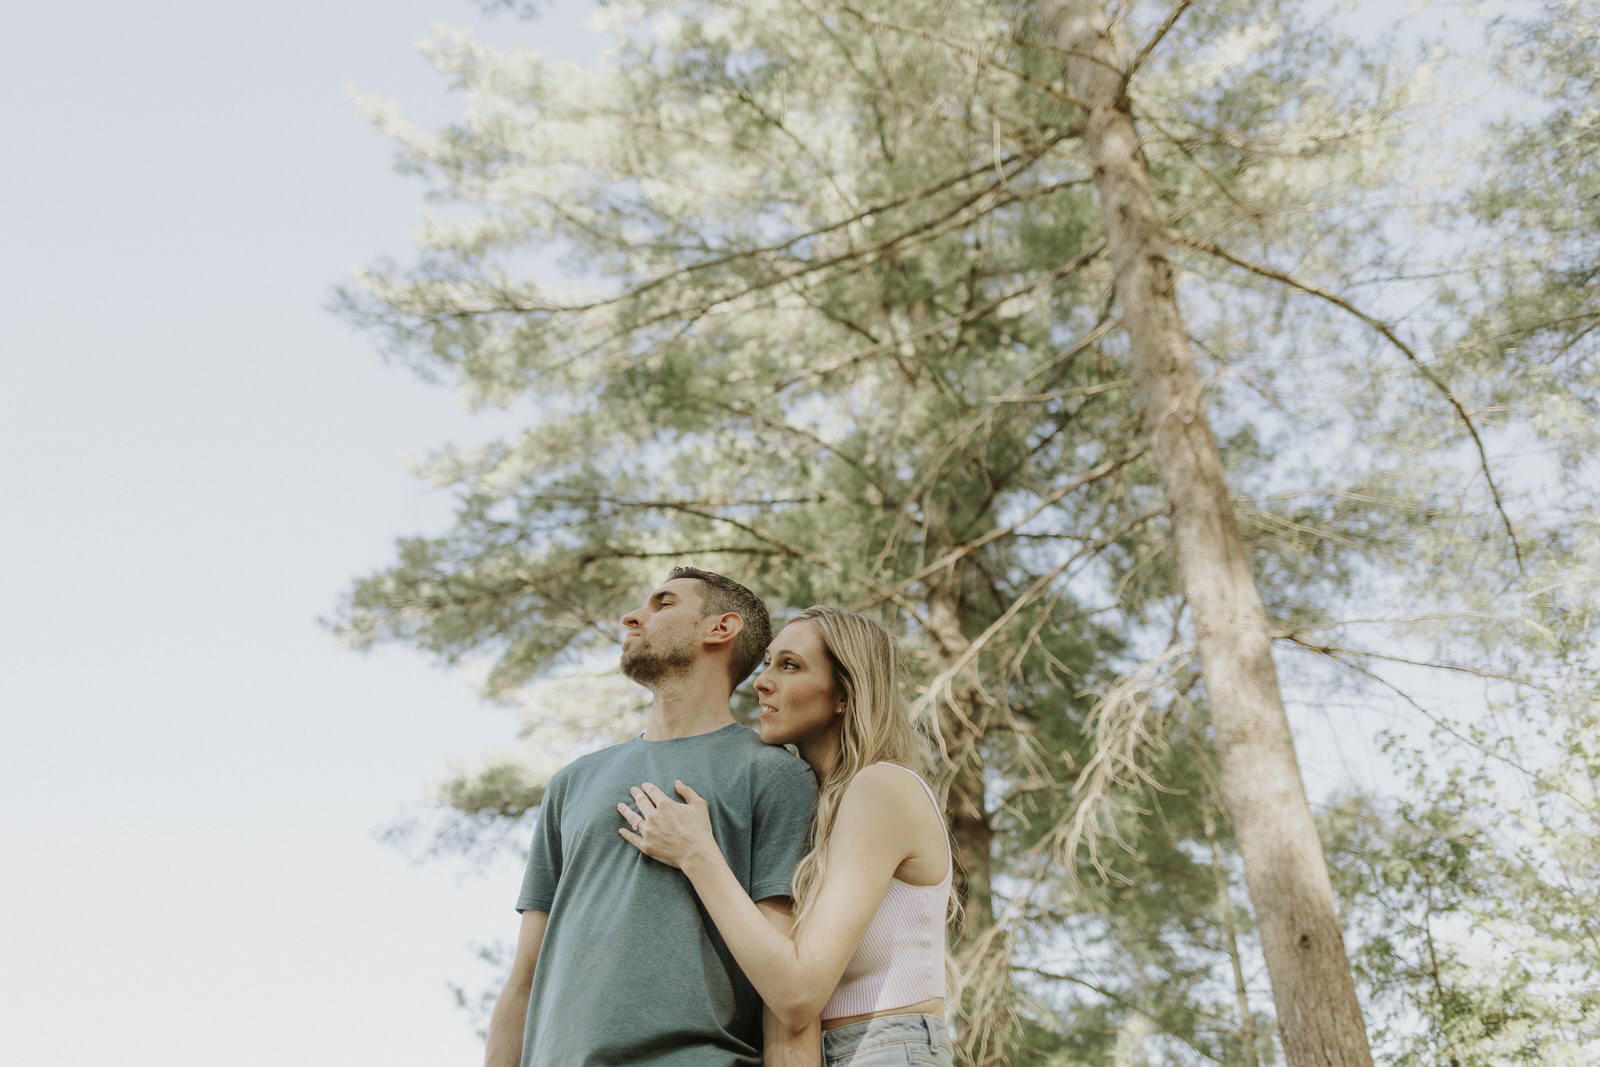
(971, 829)
(1319, 1017)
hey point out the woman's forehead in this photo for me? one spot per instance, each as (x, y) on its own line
(799, 637)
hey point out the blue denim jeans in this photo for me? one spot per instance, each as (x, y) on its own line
(892, 1041)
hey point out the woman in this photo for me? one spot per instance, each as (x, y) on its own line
(867, 952)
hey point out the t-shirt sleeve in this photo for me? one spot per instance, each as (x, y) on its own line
(544, 857)
(779, 823)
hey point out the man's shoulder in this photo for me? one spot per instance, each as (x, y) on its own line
(749, 744)
(591, 762)
(731, 746)
(739, 752)
(741, 738)
(777, 767)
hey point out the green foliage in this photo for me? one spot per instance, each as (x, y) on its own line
(1481, 946)
(1481, 949)
(1542, 197)
(815, 295)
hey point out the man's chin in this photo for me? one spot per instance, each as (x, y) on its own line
(647, 670)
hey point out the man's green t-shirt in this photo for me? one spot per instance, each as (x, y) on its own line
(632, 970)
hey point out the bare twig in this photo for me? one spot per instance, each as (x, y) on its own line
(1388, 334)
(1348, 660)
(969, 49)
(1155, 39)
(940, 687)
(1118, 725)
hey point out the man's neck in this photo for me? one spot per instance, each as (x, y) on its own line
(687, 706)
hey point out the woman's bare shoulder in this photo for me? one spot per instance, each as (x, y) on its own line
(903, 820)
(887, 787)
(891, 777)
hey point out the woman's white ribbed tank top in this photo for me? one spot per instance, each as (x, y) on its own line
(900, 960)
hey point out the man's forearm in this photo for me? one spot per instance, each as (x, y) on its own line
(510, 1017)
(506, 1026)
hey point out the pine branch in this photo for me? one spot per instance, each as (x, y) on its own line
(1155, 39)
(786, 548)
(959, 437)
(1084, 391)
(962, 214)
(1388, 334)
(954, 321)
(969, 49)
(939, 688)
(949, 559)
(1348, 659)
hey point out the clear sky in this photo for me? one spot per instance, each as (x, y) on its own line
(197, 460)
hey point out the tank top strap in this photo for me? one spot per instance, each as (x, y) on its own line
(949, 864)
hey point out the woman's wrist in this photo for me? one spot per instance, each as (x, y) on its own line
(702, 861)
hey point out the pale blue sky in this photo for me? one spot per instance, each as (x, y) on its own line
(198, 458)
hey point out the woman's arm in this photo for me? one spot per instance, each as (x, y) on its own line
(783, 1046)
(872, 835)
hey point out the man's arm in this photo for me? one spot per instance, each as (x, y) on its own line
(784, 1047)
(510, 1016)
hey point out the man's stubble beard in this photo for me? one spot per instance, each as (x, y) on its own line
(648, 666)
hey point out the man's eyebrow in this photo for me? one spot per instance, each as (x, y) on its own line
(661, 595)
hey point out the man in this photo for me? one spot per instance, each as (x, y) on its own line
(616, 963)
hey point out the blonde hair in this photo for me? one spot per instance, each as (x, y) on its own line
(877, 726)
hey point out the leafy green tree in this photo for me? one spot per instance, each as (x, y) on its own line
(1259, 772)
(1481, 946)
(1476, 927)
(840, 367)
(852, 308)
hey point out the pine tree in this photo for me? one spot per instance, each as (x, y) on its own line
(1480, 947)
(849, 310)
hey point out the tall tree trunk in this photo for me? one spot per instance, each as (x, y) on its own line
(971, 828)
(1319, 1018)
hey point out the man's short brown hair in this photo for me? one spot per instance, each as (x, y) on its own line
(718, 596)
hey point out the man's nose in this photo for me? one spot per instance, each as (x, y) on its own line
(631, 620)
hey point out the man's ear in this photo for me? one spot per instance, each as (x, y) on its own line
(725, 629)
